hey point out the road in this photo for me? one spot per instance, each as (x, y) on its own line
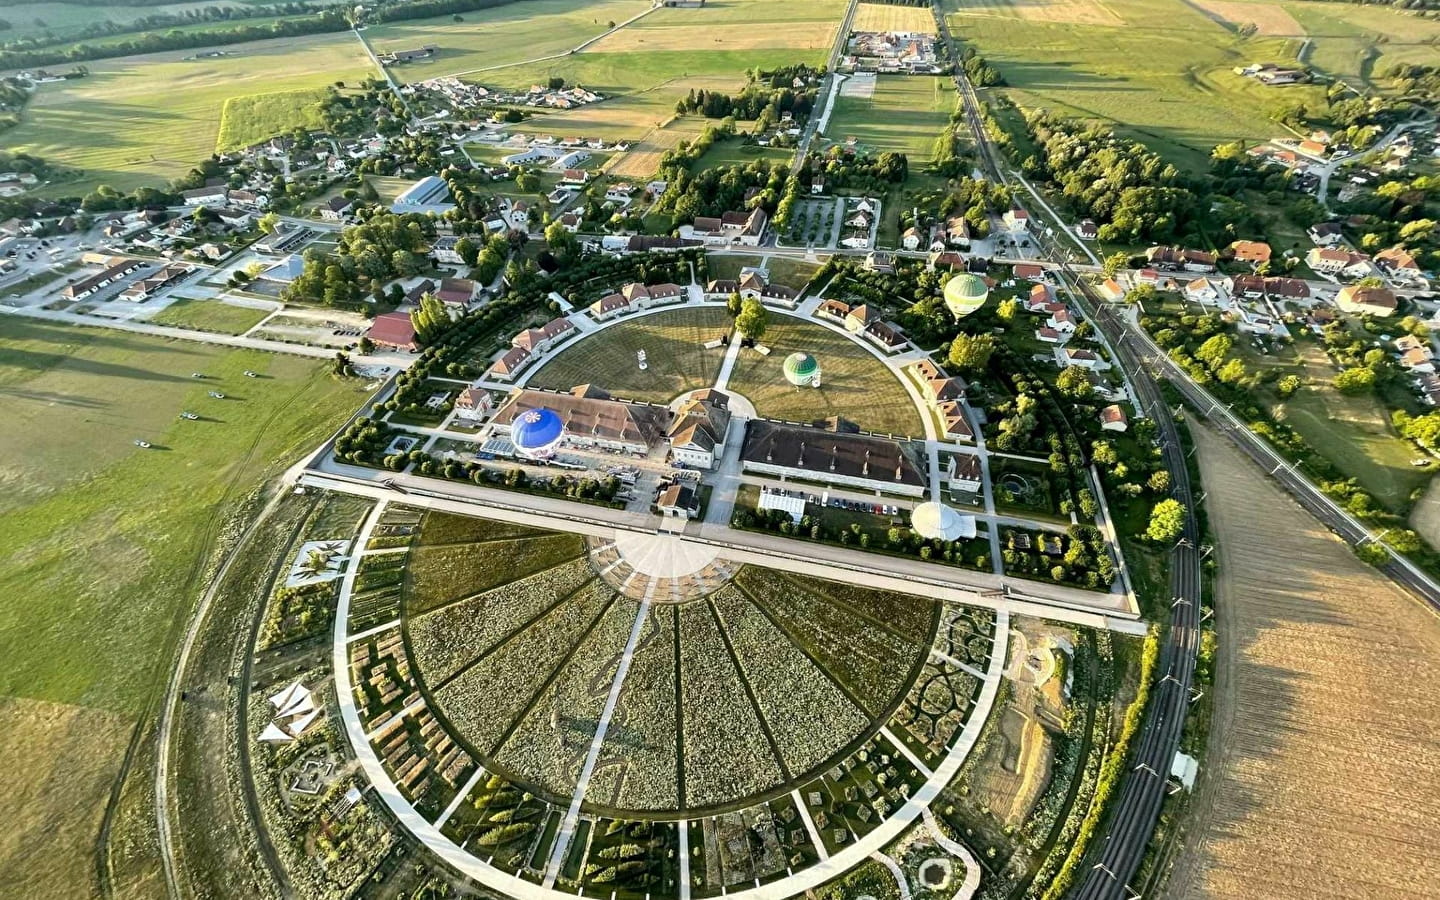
(831, 83)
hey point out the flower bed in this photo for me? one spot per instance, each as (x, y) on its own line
(910, 615)
(809, 716)
(639, 763)
(935, 708)
(439, 575)
(966, 633)
(446, 639)
(550, 744)
(872, 662)
(726, 753)
(483, 700)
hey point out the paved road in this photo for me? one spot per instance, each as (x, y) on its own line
(830, 86)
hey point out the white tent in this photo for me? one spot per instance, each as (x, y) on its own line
(274, 735)
(938, 521)
(295, 700)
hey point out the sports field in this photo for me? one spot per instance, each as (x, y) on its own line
(143, 120)
(853, 384)
(1160, 69)
(103, 548)
(673, 342)
(905, 114)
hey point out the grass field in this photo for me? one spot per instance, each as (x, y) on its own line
(887, 17)
(210, 315)
(673, 343)
(59, 18)
(500, 36)
(1360, 42)
(732, 25)
(103, 547)
(143, 120)
(1160, 69)
(733, 152)
(1324, 719)
(853, 384)
(252, 118)
(905, 114)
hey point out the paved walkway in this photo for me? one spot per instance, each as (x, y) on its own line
(971, 884)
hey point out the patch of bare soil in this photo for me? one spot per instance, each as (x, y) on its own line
(1320, 780)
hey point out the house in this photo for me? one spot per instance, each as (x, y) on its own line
(1111, 290)
(1203, 290)
(1339, 263)
(834, 454)
(235, 218)
(1062, 320)
(456, 291)
(538, 340)
(678, 501)
(443, 250)
(1180, 259)
(910, 240)
(888, 336)
(116, 269)
(1250, 287)
(1399, 264)
(609, 306)
(957, 424)
(1147, 276)
(965, 473)
(592, 419)
(721, 288)
(336, 209)
(1087, 230)
(957, 232)
(284, 271)
(1287, 288)
(732, 228)
(779, 293)
(1373, 301)
(1418, 359)
(1326, 234)
(860, 317)
(473, 404)
(1085, 359)
(509, 364)
(574, 176)
(1049, 335)
(519, 214)
(1041, 296)
(1253, 252)
(570, 221)
(619, 193)
(833, 309)
(1017, 220)
(213, 195)
(1112, 418)
(393, 330)
(697, 432)
(860, 219)
(878, 261)
(1028, 272)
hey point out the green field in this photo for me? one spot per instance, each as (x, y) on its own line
(105, 548)
(143, 120)
(905, 114)
(853, 384)
(210, 315)
(1160, 69)
(673, 343)
(500, 36)
(251, 118)
(734, 153)
(1360, 42)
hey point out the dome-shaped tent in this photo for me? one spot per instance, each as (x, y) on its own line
(936, 520)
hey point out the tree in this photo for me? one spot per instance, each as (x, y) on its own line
(1287, 386)
(1074, 381)
(1008, 310)
(1355, 381)
(1167, 522)
(733, 304)
(1233, 372)
(1213, 352)
(467, 251)
(561, 242)
(753, 319)
(971, 352)
(1140, 294)
(270, 222)
(1114, 263)
(1159, 481)
(528, 183)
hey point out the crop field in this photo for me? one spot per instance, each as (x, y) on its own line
(1269, 19)
(103, 543)
(853, 384)
(905, 114)
(499, 36)
(673, 341)
(36, 18)
(1323, 733)
(732, 25)
(1159, 69)
(143, 120)
(251, 118)
(209, 315)
(889, 17)
(643, 158)
(1361, 42)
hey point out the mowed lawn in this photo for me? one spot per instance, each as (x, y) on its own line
(103, 548)
(673, 341)
(210, 315)
(853, 384)
(144, 120)
(500, 36)
(905, 114)
(1160, 69)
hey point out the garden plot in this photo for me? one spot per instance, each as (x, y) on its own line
(935, 709)
(856, 795)
(810, 717)
(632, 859)
(381, 674)
(441, 575)
(639, 763)
(742, 847)
(485, 698)
(873, 663)
(549, 745)
(726, 752)
(498, 821)
(446, 639)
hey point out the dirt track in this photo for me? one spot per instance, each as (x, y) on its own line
(1320, 780)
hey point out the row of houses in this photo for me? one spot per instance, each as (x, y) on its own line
(736, 228)
(866, 321)
(635, 297)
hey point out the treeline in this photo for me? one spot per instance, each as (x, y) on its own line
(978, 70)
(329, 19)
(755, 102)
(1116, 181)
(870, 173)
(107, 28)
(383, 247)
